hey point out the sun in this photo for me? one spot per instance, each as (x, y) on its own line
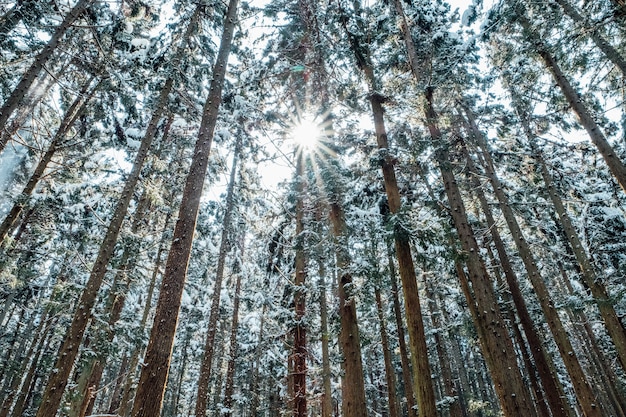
(306, 134)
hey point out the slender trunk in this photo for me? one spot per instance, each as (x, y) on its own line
(611, 53)
(616, 166)
(149, 397)
(71, 115)
(390, 374)
(298, 358)
(125, 402)
(202, 396)
(404, 356)
(496, 342)
(423, 385)
(352, 383)
(552, 386)
(229, 387)
(58, 380)
(254, 385)
(452, 402)
(613, 325)
(17, 95)
(327, 399)
(579, 381)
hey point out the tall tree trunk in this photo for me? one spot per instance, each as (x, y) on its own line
(613, 325)
(17, 95)
(352, 383)
(298, 369)
(404, 356)
(496, 343)
(229, 386)
(327, 399)
(202, 396)
(390, 374)
(552, 386)
(71, 115)
(149, 397)
(616, 166)
(579, 381)
(254, 384)
(67, 354)
(423, 385)
(453, 403)
(609, 51)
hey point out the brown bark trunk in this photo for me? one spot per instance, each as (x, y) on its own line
(58, 380)
(149, 396)
(17, 95)
(298, 357)
(390, 375)
(609, 51)
(579, 380)
(496, 343)
(254, 385)
(327, 399)
(352, 383)
(404, 356)
(553, 389)
(616, 166)
(229, 386)
(613, 325)
(202, 396)
(452, 402)
(71, 115)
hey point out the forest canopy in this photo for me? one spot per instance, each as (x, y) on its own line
(398, 208)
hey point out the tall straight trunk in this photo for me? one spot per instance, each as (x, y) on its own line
(298, 362)
(352, 383)
(616, 166)
(67, 354)
(552, 386)
(589, 29)
(17, 95)
(579, 381)
(425, 394)
(254, 384)
(71, 115)
(125, 402)
(327, 399)
(404, 356)
(390, 375)
(149, 397)
(454, 406)
(613, 325)
(496, 342)
(202, 396)
(229, 386)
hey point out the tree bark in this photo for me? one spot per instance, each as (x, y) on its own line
(496, 343)
(616, 166)
(552, 386)
(579, 381)
(353, 383)
(71, 115)
(327, 399)
(17, 95)
(149, 397)
(613, 325)
(390, 375)
(609, 51)
(229, 386)
(404, 356)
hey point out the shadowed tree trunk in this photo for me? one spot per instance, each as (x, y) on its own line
(229, 386)
(390, 375)
(202, 396)
(423, 385)
(17, 95)
(616, 166)
(149, 396)
(579, 381)
(327, 399)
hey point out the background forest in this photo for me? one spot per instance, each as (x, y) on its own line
(312, 208)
